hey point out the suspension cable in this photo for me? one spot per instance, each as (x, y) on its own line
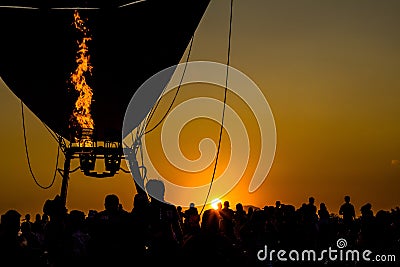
(224, 107)
(27, 155)
(173, 100)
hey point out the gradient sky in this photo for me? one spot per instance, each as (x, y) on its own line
(330, 72)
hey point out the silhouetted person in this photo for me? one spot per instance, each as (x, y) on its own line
(215, 249)
(54, 232)
(288, 229)
(31, 239)
(108, 240)
(27, 224)
(323, 214)
(310, 211)
(250, 211)
(278, 213)
(139, 227)
(192, 220)
(37, 225)
(367, 233)
(166, 232)
(366, 212)
(347, 211)
(240, 218)
(181, 214)
(14, 251)
(310, 220)
(323, 225)
(45, 220)
(385, 230)
(226, 225)
(77, 240)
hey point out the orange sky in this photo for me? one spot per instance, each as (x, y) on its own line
(329, 70)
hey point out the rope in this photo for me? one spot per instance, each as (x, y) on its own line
(132, 3)
(53, 134)
(27, 155)
(223, 110)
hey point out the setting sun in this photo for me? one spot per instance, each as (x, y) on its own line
(214, 203)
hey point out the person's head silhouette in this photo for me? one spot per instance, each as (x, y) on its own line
(226, 204)
(10, 221)
(111, 202)
(239, 207)
(55, 208)
(156, 189)
(347, 199)
(140, 201)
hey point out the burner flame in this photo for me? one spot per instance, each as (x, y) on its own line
(81, 116)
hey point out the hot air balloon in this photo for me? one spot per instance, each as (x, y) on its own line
(128, 41)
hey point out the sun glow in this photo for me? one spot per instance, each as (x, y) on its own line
(214, 203)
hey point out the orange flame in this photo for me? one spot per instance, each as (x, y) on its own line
(81, 113)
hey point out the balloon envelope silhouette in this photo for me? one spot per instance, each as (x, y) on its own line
(131, 41)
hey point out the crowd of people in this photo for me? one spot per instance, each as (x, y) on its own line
(157, 233)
